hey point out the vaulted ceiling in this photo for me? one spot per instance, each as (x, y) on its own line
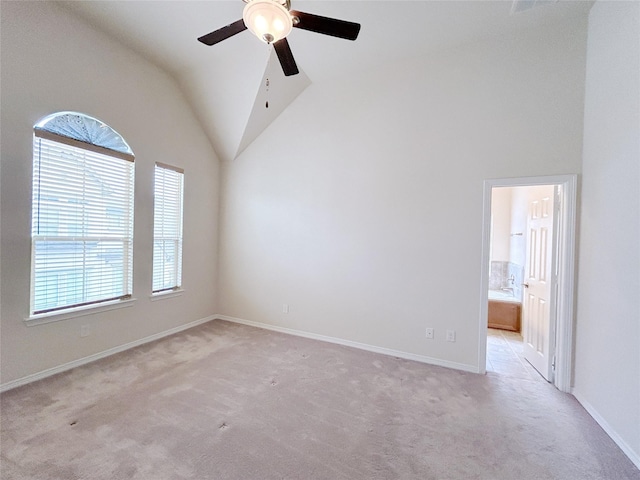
(226, 83)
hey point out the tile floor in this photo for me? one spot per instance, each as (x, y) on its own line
(505, 356)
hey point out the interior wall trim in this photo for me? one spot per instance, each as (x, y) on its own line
(348, 343)
(97, 356)
(628, 451)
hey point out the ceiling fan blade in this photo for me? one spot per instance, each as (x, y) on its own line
(326, 25)
(285, 56)
(223, 33)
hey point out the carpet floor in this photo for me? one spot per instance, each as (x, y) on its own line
(228, 401)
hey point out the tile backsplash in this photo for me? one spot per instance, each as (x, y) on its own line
(498, 275)
(503, 275)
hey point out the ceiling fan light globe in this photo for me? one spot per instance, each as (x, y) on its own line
(261, 23)
(267, 19)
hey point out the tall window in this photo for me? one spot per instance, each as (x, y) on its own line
(82, 214)
(167, 228)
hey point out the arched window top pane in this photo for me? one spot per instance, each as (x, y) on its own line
(86, 129)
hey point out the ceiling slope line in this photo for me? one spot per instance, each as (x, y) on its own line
(271, 100)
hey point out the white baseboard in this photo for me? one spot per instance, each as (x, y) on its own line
(633, 456)
(97, 356)
(349, 343)
(628, 451)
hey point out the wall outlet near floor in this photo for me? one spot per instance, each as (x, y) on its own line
(285, 308)
(429, 333)
(85, 330)
(451, 335)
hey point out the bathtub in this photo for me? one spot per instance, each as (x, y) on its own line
(504, 310)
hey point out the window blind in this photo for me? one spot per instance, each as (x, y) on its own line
(167, 228)
(82, 227)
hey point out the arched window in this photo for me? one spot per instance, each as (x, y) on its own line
(82, 214)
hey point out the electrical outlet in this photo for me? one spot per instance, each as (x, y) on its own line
(430, 333)
(451, 335)
(85, 330)
(285, 308)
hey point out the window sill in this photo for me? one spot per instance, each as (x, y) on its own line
(77, 312)
(165, 295)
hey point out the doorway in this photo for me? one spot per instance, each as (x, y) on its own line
(551, 199)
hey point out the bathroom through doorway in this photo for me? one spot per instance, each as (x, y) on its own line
(528, 275)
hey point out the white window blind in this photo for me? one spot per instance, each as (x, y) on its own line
(167, 228)
(82, 225)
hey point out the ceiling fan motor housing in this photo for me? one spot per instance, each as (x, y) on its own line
(269, 20)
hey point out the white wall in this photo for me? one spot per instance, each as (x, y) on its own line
(500, 224)
(51, 61)
(361, 206)
(519, 214)
(607, 372)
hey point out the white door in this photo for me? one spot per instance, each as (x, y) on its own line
(540, 280)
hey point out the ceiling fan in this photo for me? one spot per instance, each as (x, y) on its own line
(272, 20)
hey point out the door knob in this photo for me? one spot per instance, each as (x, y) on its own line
(525, 285)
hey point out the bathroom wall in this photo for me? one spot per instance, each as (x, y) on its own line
(500, 223)
(500, 228)
(518, 238)
(507, 268)
(518, 241)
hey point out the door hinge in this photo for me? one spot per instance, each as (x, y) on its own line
(553, 363)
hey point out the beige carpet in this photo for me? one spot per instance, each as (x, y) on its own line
(225, 401)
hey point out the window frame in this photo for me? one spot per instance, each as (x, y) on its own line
(175, 287)
(89, 302)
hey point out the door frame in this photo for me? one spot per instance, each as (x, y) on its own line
(566, 250)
